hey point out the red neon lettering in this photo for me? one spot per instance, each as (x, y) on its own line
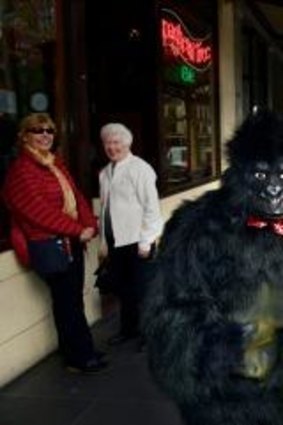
(178, 44)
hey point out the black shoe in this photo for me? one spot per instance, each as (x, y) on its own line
(120, 339)
(91, 367)
(99, 354)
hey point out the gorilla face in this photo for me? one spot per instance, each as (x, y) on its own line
(265, 181)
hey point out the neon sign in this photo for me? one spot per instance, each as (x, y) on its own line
(179, 44)
(187, 74)
(180, 73)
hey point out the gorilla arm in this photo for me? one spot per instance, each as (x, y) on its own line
(192, 347)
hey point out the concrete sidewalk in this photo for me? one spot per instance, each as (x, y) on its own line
(124, 394)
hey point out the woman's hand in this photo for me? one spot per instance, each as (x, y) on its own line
(143, 253)
(87, 234)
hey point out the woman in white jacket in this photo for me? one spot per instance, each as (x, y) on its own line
(130, 221)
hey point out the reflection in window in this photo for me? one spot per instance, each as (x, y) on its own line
(27, 43)
(175, 122)
(188, 135)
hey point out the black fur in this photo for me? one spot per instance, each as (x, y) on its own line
(210, 265)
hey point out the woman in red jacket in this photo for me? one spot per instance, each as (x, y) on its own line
(52, 216)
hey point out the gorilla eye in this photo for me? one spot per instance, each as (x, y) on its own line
(260, 175)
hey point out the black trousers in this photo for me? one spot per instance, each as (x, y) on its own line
(131, 274)
(74, 336)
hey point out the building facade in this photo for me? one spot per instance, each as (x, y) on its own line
(181, 74)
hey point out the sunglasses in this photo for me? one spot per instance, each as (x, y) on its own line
(41, 130)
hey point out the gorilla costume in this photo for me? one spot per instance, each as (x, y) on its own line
(214, 312)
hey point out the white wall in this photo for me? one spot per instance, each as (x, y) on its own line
(27, 333)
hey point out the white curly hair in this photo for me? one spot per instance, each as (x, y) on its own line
(118, 131)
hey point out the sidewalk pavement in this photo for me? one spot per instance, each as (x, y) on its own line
(124, 394)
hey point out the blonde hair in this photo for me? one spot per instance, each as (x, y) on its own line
(32, 121)
(117, 130)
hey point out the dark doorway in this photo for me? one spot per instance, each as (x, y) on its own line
(121, 73)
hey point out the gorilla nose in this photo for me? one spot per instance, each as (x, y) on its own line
(273, 190)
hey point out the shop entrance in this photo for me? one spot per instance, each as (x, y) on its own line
(120, 73)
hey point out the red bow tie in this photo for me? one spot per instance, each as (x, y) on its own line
(275, 225)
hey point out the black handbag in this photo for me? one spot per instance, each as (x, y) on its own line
(104, 280)
(49, 256)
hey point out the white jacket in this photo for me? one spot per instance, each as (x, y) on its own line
(134, 203)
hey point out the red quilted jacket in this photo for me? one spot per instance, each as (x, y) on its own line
(34, 197)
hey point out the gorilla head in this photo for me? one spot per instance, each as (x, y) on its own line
(256, 174)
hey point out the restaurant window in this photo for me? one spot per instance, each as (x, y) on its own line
(189, 132)
(27, 49)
